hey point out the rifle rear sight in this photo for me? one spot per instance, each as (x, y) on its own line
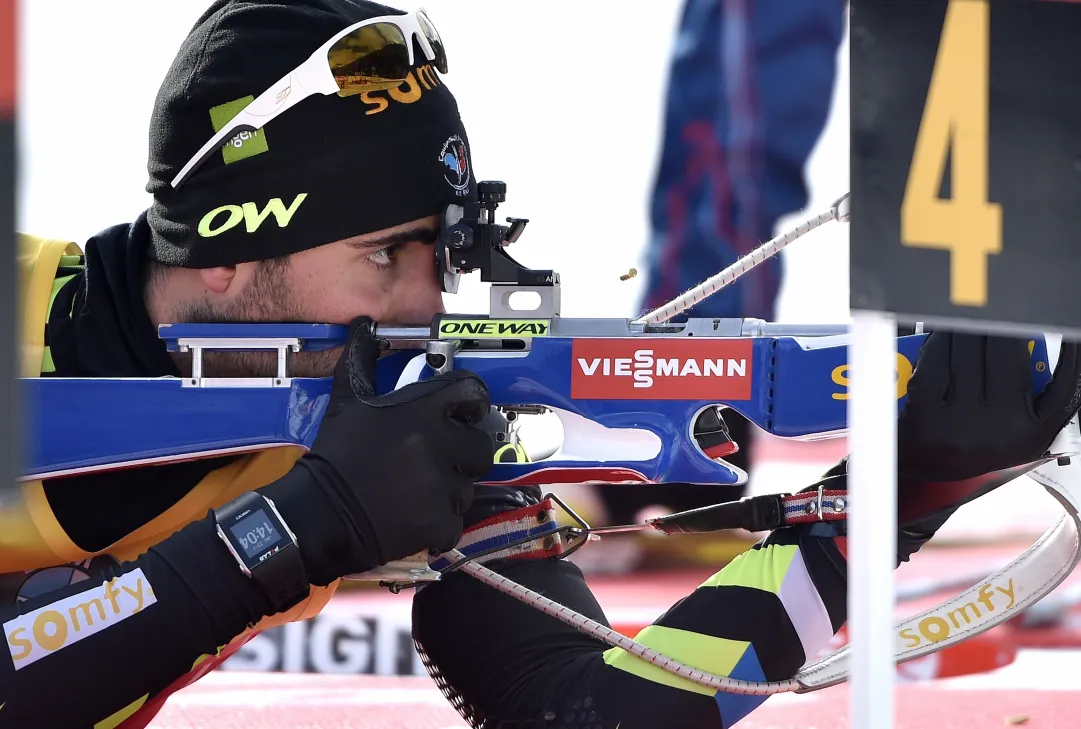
(471, 240)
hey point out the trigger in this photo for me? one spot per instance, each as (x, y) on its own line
(507, 447)
(712, 436)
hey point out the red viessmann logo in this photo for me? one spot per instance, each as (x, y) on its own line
(673, 369)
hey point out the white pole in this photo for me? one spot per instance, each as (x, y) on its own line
(872, 522)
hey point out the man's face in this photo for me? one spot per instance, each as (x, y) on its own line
(389, 275)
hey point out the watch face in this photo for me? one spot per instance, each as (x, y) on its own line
(256, 534)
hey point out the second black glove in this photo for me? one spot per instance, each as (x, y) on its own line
(971, 407)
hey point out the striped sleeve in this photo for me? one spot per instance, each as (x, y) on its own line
(760, 618)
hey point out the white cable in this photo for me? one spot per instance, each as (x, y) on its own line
(838, 211)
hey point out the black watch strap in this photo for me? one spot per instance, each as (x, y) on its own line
(265, 549)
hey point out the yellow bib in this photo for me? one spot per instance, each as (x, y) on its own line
(30, 535)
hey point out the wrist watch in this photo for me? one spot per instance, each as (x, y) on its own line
(266, 549)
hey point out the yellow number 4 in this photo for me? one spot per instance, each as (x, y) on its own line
(955, 119)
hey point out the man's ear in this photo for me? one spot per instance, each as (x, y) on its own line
(217, 279)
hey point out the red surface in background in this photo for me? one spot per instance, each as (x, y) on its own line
(280, 701)
(7, 58)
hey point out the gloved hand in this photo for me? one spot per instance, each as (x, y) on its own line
(971, 409)
(388, 476)
(972, 423)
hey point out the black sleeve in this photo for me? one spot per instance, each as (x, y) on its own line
(80, 654)
(506, 665)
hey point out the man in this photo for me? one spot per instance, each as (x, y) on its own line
(386, 476)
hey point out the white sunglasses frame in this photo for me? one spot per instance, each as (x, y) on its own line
(311, 77)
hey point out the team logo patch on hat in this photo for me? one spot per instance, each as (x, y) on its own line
(244, 144)
(455, 157)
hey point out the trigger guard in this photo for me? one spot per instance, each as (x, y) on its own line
(686, 451)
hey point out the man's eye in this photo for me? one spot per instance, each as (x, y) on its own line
(382, 258)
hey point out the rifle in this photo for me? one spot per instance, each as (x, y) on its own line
(640, 400)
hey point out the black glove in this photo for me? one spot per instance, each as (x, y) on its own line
(388, 476)
(971, 424)
(971, 409)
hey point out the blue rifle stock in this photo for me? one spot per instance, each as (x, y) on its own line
(797, 389)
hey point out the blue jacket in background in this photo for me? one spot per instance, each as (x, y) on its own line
(749, 92)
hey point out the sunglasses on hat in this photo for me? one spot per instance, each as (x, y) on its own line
(371, 55)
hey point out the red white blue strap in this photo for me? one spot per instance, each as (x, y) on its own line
(532, 532)
(537, 523)
(819, 505)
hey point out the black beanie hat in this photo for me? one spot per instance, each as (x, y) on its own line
(328, 168)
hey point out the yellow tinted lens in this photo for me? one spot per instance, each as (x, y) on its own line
(368, 59)
(436, 42)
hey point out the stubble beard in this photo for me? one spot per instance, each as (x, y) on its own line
(268, 299)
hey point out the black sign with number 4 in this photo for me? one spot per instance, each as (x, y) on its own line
(966, 161)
